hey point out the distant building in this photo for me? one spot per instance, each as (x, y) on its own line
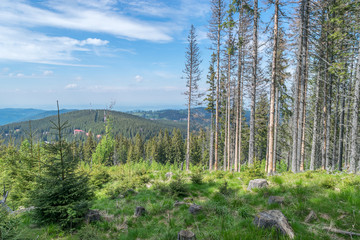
(78, 131)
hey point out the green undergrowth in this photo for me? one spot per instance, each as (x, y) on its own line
(228, 209)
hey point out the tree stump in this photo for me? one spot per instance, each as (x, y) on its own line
(194, 209)
(92, 216)
(186, 235)
(257, 183)
(139, 211)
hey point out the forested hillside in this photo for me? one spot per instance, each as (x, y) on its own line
(88, 120)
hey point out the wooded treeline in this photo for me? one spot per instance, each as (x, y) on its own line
(300, 81)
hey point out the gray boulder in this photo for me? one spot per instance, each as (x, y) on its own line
(276, 200)
(194, 209)
(276, 219)
(257, 183)
(186, 235)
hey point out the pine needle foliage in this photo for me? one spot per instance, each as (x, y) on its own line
(62, 191)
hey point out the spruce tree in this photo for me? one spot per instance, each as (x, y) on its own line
(62, 192)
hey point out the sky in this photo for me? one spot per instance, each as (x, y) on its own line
(93, 53)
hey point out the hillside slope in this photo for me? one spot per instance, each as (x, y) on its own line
(86, 120)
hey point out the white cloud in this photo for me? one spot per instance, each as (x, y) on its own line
(93, 41)
(20, 75)
(81, 17)
(71, 86)
(23, 45)
(48, 73)
(138, 78)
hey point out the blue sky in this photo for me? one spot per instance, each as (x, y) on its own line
(89, 53)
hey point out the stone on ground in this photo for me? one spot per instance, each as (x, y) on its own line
(194, 209)
(139, 211)
(257, 183)
(276, 219)
(276, 200)
(186, 235)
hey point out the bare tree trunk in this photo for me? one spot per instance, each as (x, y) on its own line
(315, 124)
(355, 116)
(300, 87)
(333, 160)
(302, 152)
(341, 134)
(277, 117)
(253, 86)
(228, 111)
(211, 153)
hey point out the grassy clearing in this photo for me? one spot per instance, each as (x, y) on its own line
(228, 208)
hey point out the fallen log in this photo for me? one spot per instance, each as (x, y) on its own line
(335, 230)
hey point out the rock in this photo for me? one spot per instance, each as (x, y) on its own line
(257, 183)
(92, 216)
(195, 209)
(139, 211)
(186, 235)
(310, 217)
(276, 200)
(169, 175)
(274, 218)
(179, 203)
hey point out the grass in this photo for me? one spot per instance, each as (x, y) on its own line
(228, 208)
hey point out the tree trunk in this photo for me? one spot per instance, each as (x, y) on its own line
(211, 153)
(333, 159)
(270, 152)
(341, 135)
(355, 116)
(315, 124)
(277, 117)
(217, 86)
(253, 86)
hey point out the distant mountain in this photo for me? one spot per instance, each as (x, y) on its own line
(11, 115)
(200, 116)
(82, 121)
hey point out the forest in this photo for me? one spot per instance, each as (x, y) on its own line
(290, 171)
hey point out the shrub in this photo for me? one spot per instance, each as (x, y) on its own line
(328, 183)
(177, 187)
(278, 180)
(253, 172)
(8, 225)
(225, 190)
(99, 177)
(196, 177)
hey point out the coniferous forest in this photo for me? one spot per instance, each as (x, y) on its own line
(276, 156)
